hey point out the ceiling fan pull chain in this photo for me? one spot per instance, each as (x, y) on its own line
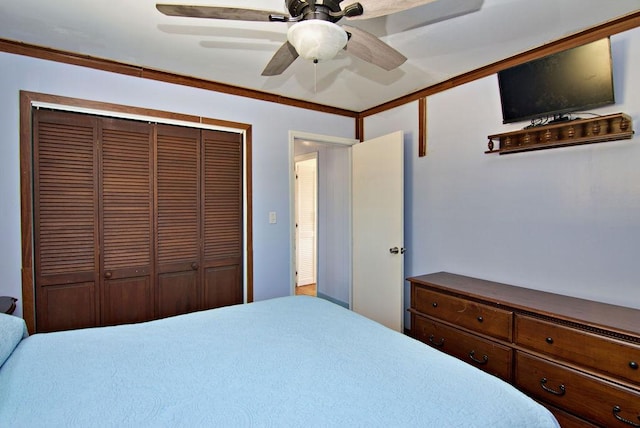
(315, 76)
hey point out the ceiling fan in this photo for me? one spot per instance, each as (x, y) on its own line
(315, 34)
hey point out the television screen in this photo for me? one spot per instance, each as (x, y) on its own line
(568, 81)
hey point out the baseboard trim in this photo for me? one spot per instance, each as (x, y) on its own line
(333, 300)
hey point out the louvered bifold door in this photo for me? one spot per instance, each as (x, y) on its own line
(222, 211)
(178, 220)
(127, 221)
(65, 221)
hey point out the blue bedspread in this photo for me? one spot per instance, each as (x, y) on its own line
(293, 361)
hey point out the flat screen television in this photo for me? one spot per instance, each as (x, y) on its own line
(573, 80)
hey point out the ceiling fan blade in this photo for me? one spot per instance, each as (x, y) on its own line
(218, 12)
(369, 48)
(282, 59)
(375, 8)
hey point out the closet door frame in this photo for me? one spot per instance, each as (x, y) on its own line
(28, 100)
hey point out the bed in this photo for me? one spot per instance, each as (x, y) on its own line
(291, 361)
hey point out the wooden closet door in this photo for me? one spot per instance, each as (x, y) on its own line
(65, 220)
(222, 218)
(127, 221)
(133, 221)
(178, 220)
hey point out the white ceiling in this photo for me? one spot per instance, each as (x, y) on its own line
(235, 52)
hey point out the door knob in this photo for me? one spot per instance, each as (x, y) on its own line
(195, 266)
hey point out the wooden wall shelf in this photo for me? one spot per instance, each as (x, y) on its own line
(599, 129)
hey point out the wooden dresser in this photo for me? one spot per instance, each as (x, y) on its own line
(578, 357)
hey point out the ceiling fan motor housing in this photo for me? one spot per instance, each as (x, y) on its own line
(325, 10)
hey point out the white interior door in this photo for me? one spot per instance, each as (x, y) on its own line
(378, 229)
(306, 208)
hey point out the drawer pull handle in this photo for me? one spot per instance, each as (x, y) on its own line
(434, 304)
(484, 360)
(438, 344)
(480, 319)
(633, 365)
(107, 275)
(560, 393)
(616, 410)
(549, 340)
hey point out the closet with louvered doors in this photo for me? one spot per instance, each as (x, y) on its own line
(133, 221)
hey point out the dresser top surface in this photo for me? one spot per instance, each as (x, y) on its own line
(619, 319)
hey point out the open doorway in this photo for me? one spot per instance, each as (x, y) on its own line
(306, 225)
(333, 214)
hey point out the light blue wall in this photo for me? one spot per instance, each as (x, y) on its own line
(271, 124)
(565, 220)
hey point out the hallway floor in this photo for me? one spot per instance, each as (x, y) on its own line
(306, 290)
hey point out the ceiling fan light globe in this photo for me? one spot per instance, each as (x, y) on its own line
(317, 40)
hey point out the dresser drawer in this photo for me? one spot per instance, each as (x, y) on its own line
(486, 355)
(567, 420)
(614, 357)
(464, 313)
(600, 401)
